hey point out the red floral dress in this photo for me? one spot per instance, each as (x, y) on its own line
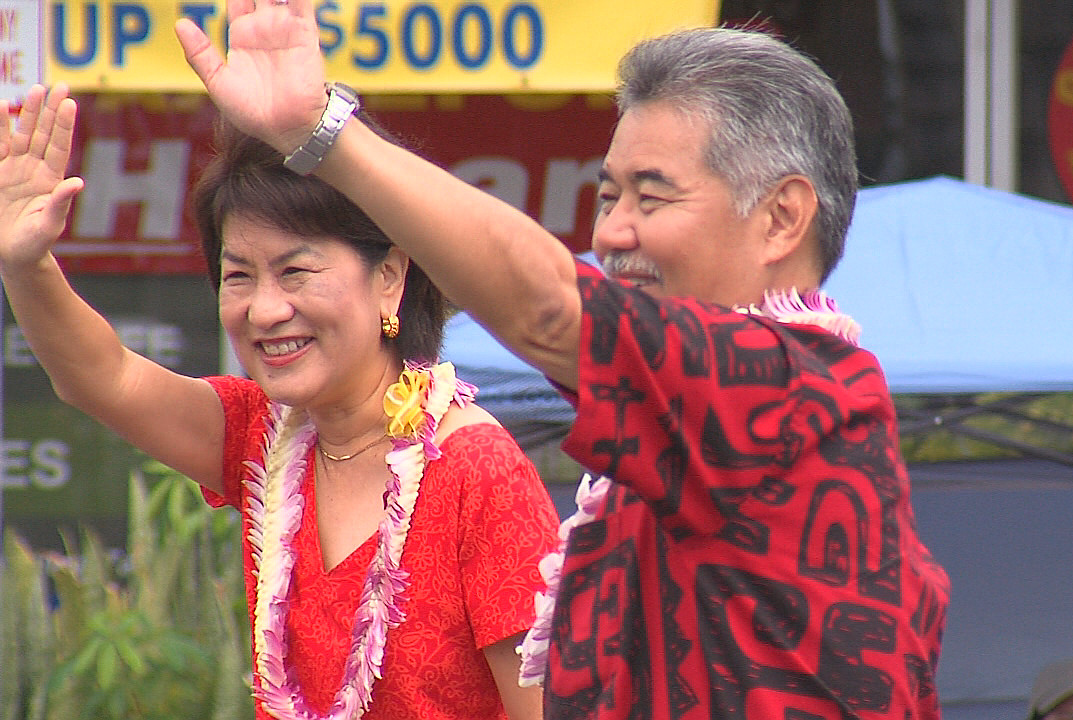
(482, 522)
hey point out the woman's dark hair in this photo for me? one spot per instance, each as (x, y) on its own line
(246, 177)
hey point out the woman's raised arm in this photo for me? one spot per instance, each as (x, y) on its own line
(174, 418)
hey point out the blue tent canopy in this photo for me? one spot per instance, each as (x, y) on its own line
(961, 288)
(958, 288)
(520, 397)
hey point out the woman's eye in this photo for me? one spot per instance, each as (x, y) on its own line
(294, 272)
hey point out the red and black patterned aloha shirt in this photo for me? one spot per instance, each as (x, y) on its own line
(757, 555)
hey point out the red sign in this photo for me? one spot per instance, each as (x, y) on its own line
(139, 155)
(1060, 120)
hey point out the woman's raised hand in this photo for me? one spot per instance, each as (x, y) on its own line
(35, 197)
(271, 83)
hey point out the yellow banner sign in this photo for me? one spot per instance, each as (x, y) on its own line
(475, 46)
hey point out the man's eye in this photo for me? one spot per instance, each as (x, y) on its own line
(607, 199)
(234, 276)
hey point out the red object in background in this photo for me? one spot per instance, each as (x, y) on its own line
(140, 155)
(1060, 120)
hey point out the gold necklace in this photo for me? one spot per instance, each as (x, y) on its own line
(341, 458)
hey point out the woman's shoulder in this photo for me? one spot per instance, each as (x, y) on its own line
(474, 443)
(235, 388)
(458, 417)
(244, 402)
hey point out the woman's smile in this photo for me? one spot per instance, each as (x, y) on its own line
(284, 350)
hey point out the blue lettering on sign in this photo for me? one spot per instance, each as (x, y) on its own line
(468, 14)
(59, 36)
(331, 32)
(131, 26)
(523, 14)
(424, 36)
(369, 27)
(198, 13)
(421, 14)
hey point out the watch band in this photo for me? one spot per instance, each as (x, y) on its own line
(343, 101)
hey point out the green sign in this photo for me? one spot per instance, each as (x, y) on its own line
(62, 468)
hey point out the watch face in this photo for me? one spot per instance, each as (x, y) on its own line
(346, 92)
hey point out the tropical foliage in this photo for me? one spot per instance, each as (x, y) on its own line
(159, 631)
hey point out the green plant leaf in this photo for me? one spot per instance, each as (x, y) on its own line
(107, 665)
(131, 657)
(70, 616)
(87, 656)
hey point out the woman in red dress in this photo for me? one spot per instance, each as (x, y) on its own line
(392, 528)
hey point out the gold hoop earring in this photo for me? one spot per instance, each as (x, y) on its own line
(389, 326)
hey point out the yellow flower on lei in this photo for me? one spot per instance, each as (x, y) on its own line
(404, 403)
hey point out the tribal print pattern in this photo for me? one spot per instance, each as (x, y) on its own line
(757, 556)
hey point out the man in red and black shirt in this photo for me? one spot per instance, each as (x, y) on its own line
(756, 555)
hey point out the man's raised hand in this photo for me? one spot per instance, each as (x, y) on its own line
(271, 82)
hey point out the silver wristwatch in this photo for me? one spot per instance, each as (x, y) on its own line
(343, 102)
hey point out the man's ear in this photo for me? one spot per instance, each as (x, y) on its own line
(791, 207)
(392, 275)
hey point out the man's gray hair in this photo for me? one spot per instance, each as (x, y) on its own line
(772, 112)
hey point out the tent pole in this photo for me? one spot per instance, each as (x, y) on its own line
(992, 96)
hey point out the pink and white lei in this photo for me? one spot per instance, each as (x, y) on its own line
(274, 506)
(785, 306)
(534, 648)
(812, 308)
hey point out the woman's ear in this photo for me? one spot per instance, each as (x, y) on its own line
(791, 208)
(392, 275)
